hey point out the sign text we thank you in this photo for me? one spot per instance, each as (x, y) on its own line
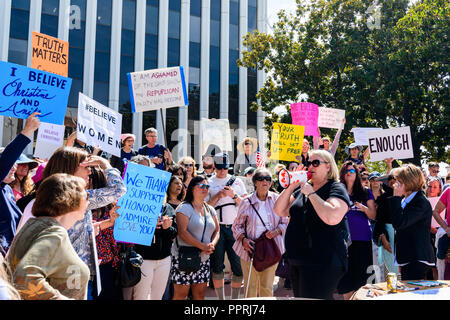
(24, 91)
(141, 206)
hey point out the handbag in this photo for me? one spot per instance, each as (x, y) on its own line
(189, 259)
(129, 273)
(266, 252)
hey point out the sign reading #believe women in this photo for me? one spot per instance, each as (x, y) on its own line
(157, 89)
(24, 91)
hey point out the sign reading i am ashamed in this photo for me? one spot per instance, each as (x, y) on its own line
(157, 89)
(99, 125)
(387, 143)
(141, 206)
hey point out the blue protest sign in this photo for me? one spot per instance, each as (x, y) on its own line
(24, 91)
(141, 206)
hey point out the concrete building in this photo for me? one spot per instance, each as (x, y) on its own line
(110, 38)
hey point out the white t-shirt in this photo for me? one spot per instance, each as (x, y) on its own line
(260, 229)
(229, 213)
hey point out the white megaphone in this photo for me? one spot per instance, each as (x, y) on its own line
(286, 178)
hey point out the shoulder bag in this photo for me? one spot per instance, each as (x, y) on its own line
(266, 252)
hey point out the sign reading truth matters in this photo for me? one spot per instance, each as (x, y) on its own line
(24, 91)
(395, 143)
(50, 54)
(157, 89)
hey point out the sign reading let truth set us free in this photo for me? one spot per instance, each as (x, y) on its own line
(24, 91)
(157, 89)
(141, 206)
(98, 125)
(287, 141)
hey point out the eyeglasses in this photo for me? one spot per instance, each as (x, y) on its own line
(247, 143)
(315, 163)
(221, 168)
(350, 171)
(188, 164)
(262, 178)
(391, 178)
(435, 171)
(208, 167)
(364, 178)
(203, 186)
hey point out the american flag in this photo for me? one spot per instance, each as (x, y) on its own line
(259, 159)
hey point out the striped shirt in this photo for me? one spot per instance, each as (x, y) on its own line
(246, 223)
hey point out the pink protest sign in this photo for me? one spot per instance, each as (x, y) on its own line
(306, 114)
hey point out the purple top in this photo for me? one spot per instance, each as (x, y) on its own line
(358, 222)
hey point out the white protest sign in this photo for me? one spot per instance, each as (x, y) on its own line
(50, 137)
(217, 132)
(360, 135)
(99, 125)
(157, 89)
(387, 143)
(331, 118)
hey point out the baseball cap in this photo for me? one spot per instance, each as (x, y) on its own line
(374, 174)
(221, 161)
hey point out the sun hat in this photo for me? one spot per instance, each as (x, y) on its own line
(253, 141)
(351, 146)
(248, 170)
(23, 159)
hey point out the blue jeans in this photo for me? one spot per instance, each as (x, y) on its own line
(442, 247)
(225, 244)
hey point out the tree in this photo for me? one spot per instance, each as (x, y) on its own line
(329, 54)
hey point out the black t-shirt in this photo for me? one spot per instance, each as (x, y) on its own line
(309, 240)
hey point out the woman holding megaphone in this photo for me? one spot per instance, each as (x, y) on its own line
(317, 231)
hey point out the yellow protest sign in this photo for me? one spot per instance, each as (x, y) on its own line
(287, 141)
(50, 54)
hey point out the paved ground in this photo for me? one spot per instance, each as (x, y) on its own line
(278, 289)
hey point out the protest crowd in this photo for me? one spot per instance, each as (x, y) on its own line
(320, 233)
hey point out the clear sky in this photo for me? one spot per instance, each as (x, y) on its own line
(274, 6)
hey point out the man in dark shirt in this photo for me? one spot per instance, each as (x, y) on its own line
(10, 214)
(157, 153)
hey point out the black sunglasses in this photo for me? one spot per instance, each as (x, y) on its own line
(314, 163)
(364, 178)
(262, 178)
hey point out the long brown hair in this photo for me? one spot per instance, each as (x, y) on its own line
(359, 193)
(64, 160)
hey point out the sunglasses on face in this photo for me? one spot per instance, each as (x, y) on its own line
(262, 178)
(221, 168)
(188, 164)
(203, 186)
(364, 178)
(247, 144)
(207, 167)
(350, 171)
(315, 163)
(391, 178)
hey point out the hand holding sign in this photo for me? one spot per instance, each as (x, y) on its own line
(31, 125)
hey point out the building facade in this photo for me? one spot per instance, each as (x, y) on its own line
(110, 38)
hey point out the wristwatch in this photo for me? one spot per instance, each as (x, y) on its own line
(235, 196)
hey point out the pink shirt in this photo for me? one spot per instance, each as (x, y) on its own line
(445, 199)
(247, 214)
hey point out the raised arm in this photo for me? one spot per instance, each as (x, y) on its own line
(335, 144)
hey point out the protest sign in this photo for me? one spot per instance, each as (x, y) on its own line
(141, 206)
(24, 91)
(50, 54)
(360, 135)
(390, 143)
(49, 138)
(216, 132)
(287, 141)
(157, 89)
(306, 114)
(331, 118)
(433, 202)
(99, 126)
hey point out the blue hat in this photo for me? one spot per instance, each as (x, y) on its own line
(221, 161)
(23, 159)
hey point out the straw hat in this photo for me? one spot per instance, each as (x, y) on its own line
(254, 142)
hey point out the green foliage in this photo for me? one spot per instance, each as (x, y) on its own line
(395, 75)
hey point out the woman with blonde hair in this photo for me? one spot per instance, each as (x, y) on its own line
(7, 290)
(411, 214)
(188, 163)
(316, 234)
